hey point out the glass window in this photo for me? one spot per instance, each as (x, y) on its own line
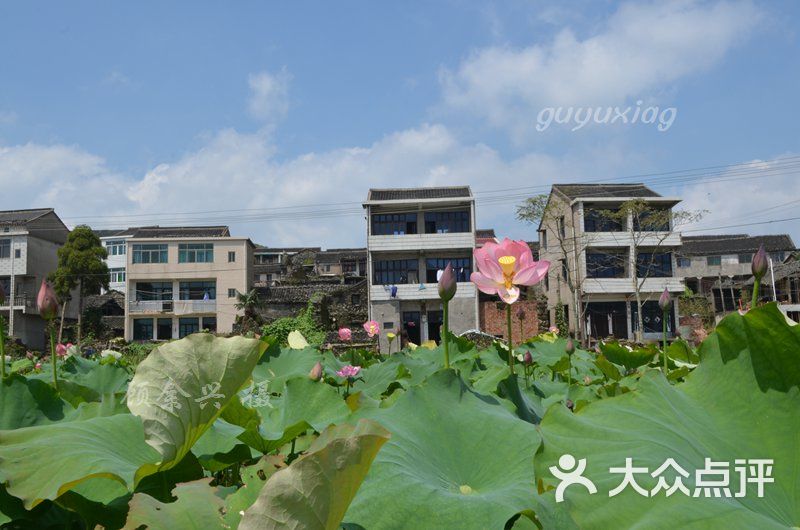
(198, 290)
(187, 326)
(777, 256)
(231, 256)
(655, 220)
(461, 266)
(745, 258)
(116, 247)
(604, 264)
(652, 317)
(116, 275)
(231, 293)
(543, 239)
(210, 324)
(5, 248)
(446, 222)
(153, 291)
(149, 253)
(164, 329)
(597, 221)
(654, 265)
(142, 329)
(684, 262)
(397, 271)
(713, 261)
(196, 253)
(397, 224)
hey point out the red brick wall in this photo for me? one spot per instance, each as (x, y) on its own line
(493, 319)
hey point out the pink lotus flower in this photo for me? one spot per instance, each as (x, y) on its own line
(349, 371)
(38, 365)
(372, 328)
(46, 301)
(62, 349)
(345, 334)
(553, 329)
(504, 266)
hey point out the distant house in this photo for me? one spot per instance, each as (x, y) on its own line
(349, 263)
(412, 234)
(115, 243)
(29, 242)
(107, 310)
(274, 265)
(717, 266)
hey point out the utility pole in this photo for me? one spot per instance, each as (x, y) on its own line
(13, 293)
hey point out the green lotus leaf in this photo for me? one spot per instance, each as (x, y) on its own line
(740, 403)
(28, 402)
(102, 378)
(42, 462)
(180, 389)
(198, 506)
(253, 479)
(290, 363)
(314, 492)
(626, 356)
(457, 459)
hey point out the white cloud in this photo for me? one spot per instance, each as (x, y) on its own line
(638, 53)
(269, 95)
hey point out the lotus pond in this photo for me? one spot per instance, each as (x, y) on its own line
(238, 432)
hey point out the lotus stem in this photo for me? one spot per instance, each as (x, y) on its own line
(756, 285)
(446, 332)
(53, 353)
(510, 340)
(664, 325)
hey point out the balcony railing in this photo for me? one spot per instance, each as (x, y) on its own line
(21, 301)
(178, 307)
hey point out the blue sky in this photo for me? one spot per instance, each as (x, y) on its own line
(120, 113)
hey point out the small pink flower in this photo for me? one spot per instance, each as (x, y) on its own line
(372, 328)
(61, 350)
(349, 371)
(345, 334)
(503, 266)
(553, 329)
(38, 365)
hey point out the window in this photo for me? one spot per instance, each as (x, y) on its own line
(777, 256)
(196, 253)
(653, 220)
(116, 247)
(446, 222)
(564, 270)
(397, 224)
(605, 264)
(562, 229)
(231, 293)
(210, 324)
(543, 239)
(198, 290)
(745, 258)
(713, 261)
(116, 275)
(187, 326)
(389, 272)
(231, 256)
(142, 329)
(5, 248)
(17, 253)
(5, 283)
(149, 253)
(355, 299)
(598, 221)
(153, 291)
(654, 265)
(461, 266)
(652, 317)
(164, 329)
(684, 262)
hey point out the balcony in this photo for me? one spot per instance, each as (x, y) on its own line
(177, 307)
(413, 292)
(625, 285)
(452, 240)
(24, 302)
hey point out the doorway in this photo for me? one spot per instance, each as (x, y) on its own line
(411, 321)
(607, 319)
(435, 320)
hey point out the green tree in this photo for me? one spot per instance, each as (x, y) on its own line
(249, 302)
(81, 266)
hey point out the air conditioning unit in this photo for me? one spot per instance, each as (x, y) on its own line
(167, 307)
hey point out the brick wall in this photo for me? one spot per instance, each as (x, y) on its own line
(493, 319)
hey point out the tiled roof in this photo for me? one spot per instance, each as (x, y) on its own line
(733, 244)
(484, 233)
(261, 249)
(119, 232)
(14, 217)
(414, 194)
(182, 231)
(337, 254)
(574, 191)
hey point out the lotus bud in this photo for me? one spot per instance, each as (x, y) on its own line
(46, 301)
(520, 313)
(664, 301)
(759, 263)
(345, 334)
(570, 346)
(447, 284)
(2, 294)
(527, 359)
(316, 372)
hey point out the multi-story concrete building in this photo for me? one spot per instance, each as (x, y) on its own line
(273, 265)
(600, 259)
(29, 242)
(116, 244)
(182, 280)
(411, 235)
(717, 266)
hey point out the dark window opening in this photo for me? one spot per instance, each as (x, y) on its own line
(153, 291)
(599, 221)
(397, 224)
(187, 326)
(397, 271)
(142, 329)
(654, 265)
(446, 222)
(601, 264)
(164, 329)
(198, 290)
(461, 266)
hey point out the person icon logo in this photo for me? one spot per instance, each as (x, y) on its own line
(570, 472)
